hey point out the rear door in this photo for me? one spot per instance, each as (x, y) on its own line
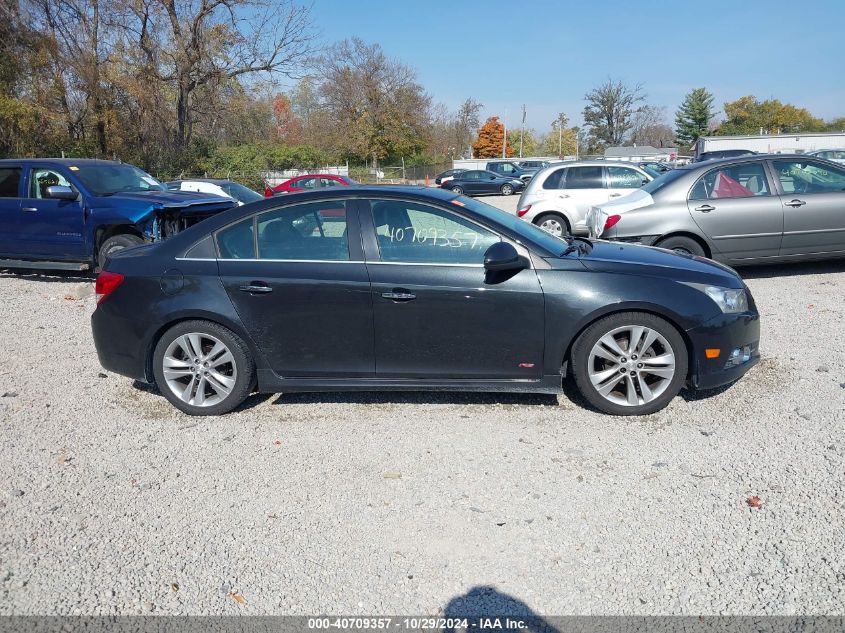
(11, 182)
(813, 197)
(623, 180)
(736, 209)
(584, 187)
(297, 278)
(51, 228)
(438, 314)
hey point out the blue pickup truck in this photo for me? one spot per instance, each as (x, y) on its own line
(72, 213)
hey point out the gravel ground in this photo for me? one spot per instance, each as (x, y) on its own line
(112, 502)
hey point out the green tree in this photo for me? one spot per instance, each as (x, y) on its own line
(747, 115)
(693, 117)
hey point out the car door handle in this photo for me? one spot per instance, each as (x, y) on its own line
(29, 209)
(705, 208)
(795, 203)
(256, 287)
(399, 295)
(563, 195)
(615, 195)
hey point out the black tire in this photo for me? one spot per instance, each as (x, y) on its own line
(507, 190)
(117, 243)
(554, 218)
(684, 245)
(243, 368)
(457, 190)
(589, 338)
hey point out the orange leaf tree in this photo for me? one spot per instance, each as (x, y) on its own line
(491, 135)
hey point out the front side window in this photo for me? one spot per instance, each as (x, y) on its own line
(745, 180)
(306, 183)
(10, 181)
(806, 176)
(584, 178)
(411, 232)
(624, 178)
(43, 178)
(309, 232)
(328, 182)
(507, 168)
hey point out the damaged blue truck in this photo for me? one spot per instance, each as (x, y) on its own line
(72, 214)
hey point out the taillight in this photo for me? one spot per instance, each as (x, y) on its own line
(611, 221)
(268, 193)
(107, 283)
(522, 212)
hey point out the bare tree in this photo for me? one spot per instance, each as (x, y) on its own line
(466, 124)
(650, 128)
(609, 112)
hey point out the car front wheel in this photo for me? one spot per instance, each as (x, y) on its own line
(203, 368)
(632, 363)
(457, 190)
(507, 190)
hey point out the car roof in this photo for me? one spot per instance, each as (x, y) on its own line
(749, 158)
(213, 181)
(318, 176)
(65, 161)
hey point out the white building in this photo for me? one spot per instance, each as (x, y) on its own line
(641, 153)
(773, 143)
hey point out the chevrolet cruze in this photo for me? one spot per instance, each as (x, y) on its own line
(379, 288)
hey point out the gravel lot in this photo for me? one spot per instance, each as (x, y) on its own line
(112, 502)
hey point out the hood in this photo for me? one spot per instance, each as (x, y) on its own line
(615, 257)
(187, 201)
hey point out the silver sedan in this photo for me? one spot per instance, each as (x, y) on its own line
(749, 210)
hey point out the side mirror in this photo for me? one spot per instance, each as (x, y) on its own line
(60, 192)
(645, 182)
(503, 256)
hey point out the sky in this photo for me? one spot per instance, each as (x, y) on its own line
(547, 54)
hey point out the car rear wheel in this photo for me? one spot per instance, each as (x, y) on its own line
(632, 363)
(553, 223)
(117, 243)
(683, 245)
(507, 190)
(203, 368)
(457, 190)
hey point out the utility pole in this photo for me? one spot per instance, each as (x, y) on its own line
(505, 136)
(522, 131)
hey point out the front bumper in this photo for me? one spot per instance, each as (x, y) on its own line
(726, 332)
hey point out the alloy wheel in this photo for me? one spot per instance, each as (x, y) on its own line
(199, 369)
(631, 365)
(555, 227)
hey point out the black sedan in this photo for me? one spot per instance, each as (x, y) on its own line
(392, 288)
(478, 181)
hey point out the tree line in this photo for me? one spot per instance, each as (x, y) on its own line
(214, 86)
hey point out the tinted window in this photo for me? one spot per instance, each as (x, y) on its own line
(43, 178)
(414, 232)
(237, 241)
(10, 181)
(315, 231)
(732, 181)
(329, 182)
(624, 178)
(584, 178)
(469, 175)
(110, 178)
(555, 179)
(805, 176)
(306, 183)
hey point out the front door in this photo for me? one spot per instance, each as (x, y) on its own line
(11, 177)
(813, 198)
(297, 279)
(623, 180)
(51, 228)
(735, 208)
(438, 314)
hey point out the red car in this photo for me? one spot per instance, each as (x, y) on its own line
(309, 182)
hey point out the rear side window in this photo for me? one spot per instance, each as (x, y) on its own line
(745, 180)
(584, 178)
(555, 179)
(10, 181)
(314, 232)
(237, 241)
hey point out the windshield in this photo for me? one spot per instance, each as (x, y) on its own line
(105, 179)
(662, 180)
(241, 193)
(531, 232)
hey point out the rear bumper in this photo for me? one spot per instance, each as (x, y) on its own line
(727, 332)
(120, 344)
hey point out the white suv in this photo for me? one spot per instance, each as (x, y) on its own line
(558, 197)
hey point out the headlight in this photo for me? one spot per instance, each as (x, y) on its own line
(729, 300)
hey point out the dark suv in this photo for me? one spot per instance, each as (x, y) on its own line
(509, 169)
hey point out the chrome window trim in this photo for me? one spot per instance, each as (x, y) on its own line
(327, 261)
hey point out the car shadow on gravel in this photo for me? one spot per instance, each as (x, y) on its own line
(63, 276)
(417, 397)
(792, 270)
